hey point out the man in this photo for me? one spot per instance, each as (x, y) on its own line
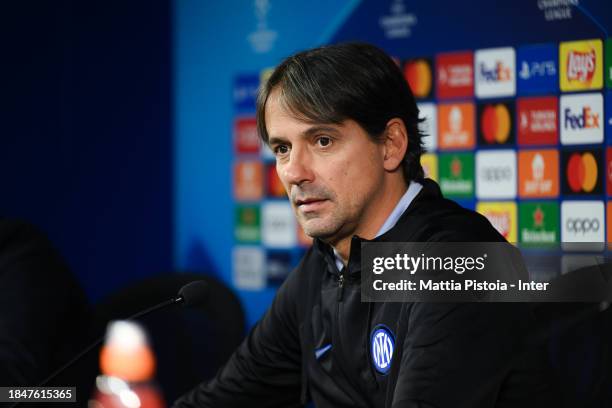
(343, 125)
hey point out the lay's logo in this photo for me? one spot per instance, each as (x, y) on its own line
(581, 64)
(503, 216)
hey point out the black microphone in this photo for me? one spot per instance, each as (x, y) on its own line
(193, 294)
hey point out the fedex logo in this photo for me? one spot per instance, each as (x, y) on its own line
(581, 118)
(586, 119)
(495, 72)
(499, 72)
(581, 65)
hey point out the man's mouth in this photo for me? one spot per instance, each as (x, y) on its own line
(309, 204)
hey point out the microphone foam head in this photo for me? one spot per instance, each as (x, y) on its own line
(194, 294)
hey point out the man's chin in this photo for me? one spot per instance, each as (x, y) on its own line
(317, 230)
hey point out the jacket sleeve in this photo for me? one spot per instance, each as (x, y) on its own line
(265, 370)
(459, 355)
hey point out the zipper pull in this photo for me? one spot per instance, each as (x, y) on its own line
(340, 286)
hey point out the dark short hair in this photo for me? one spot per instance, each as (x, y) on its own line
(355, 81)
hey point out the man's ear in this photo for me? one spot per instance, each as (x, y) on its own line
(395, 143)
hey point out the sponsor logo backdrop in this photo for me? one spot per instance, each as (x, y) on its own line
(517, 122)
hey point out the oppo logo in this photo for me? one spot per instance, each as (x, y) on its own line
(495, 174)
(582, 225)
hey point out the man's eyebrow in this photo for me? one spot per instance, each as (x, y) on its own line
(318, 129)
(307, 133)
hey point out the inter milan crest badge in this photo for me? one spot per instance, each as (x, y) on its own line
(382, 343)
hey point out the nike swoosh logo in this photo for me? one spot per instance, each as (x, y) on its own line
(321, 351)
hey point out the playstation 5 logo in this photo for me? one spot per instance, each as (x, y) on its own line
(537, 69)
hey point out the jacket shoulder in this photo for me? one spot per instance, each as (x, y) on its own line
(445, 220)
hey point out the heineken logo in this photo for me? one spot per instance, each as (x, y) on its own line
(457, 174)
(539, 222)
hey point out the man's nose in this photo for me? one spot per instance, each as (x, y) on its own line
(297, 170)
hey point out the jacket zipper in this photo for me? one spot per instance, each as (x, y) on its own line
(340, 286)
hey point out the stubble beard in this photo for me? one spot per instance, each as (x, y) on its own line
(319, 226)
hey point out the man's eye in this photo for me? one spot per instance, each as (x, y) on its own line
(324, 141)
(282, 149)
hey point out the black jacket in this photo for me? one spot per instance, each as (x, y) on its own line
(445, 355)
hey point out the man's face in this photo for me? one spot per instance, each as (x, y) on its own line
(333, 174)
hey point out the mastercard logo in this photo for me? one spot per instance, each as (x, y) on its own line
(419, 77)
(496, 123)
(582, 172)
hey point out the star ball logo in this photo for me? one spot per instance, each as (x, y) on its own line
(581, 65)
(455, 77)
(495, 72)
(248, 180)
(456, 126)
(581, 118)
(582, 170)
(418, 73)
(538, 173)
(495, 123)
